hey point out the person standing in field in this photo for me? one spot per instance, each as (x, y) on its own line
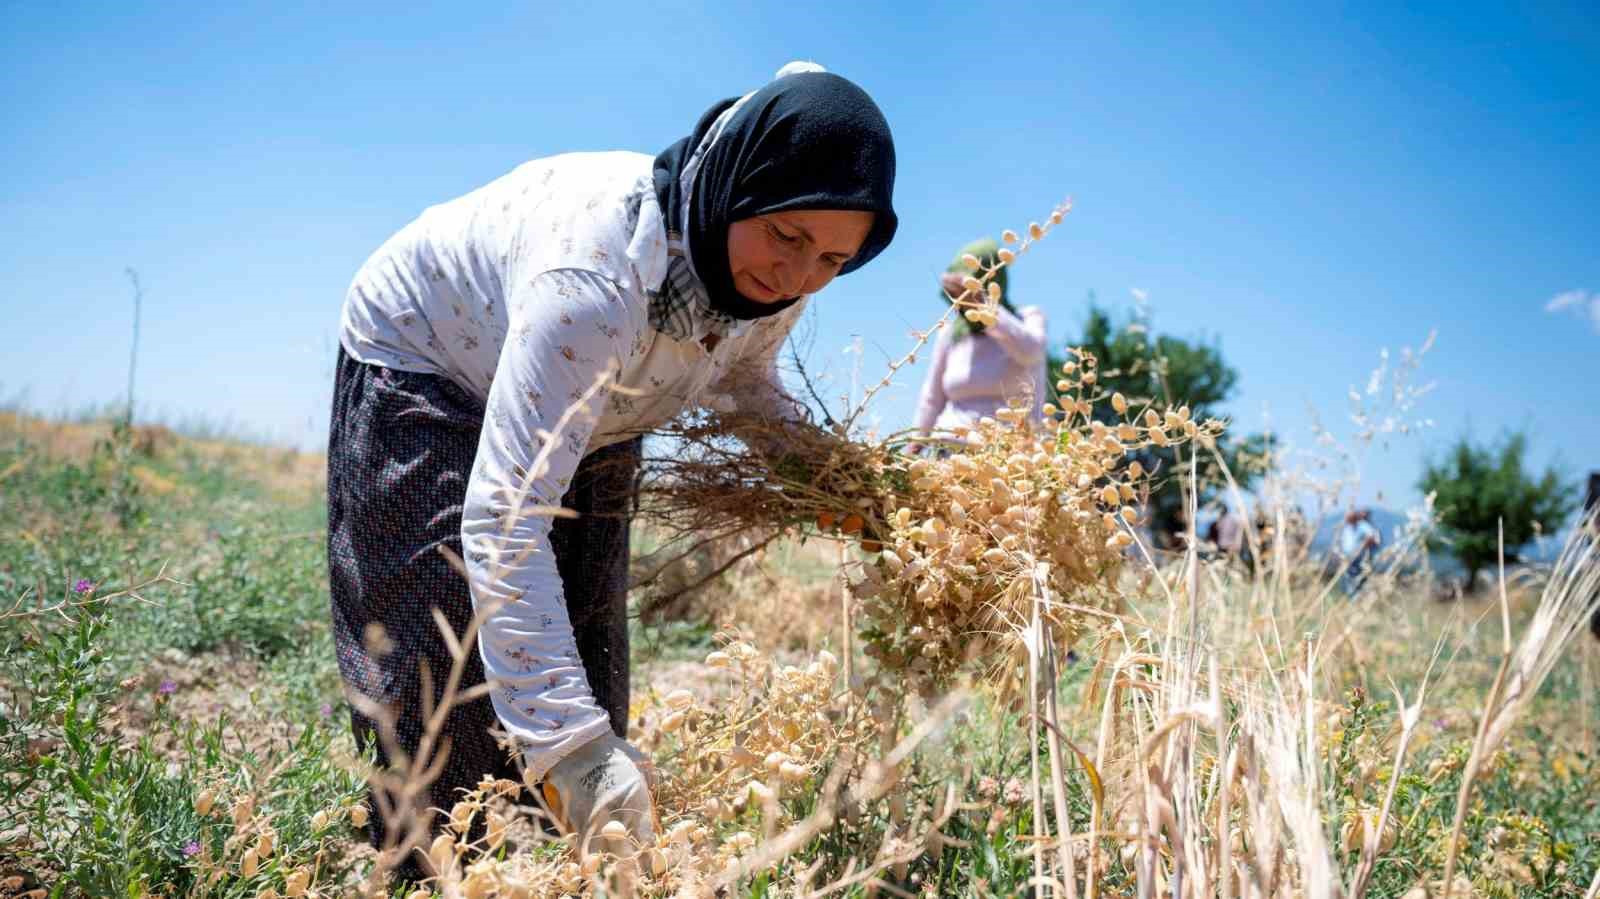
(1226, 533)
(975, 369)
(620, 286)
(1358, 543)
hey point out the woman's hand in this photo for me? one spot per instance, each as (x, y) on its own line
(951, 282)
(603, 781)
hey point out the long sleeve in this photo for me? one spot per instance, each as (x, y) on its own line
(1022, 337)
(932, 400)
(574, 326)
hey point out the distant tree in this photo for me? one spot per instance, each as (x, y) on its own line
(1164, 371)
(1478, 487)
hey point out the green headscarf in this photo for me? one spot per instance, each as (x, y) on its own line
(988, 253)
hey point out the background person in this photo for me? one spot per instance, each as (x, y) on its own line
(976, 370)
(1357, 542)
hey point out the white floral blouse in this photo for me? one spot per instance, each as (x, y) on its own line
(524, 292)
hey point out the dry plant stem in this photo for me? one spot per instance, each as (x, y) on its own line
(63, 607)
(1409, 716)
(1039, 831)
(1058, 786)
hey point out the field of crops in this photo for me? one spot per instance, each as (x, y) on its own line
(171, 721)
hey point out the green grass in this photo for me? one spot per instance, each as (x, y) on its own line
(99, 768)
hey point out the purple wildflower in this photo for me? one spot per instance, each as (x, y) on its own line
(191, 849)
(327, 710)
(167, 688)
(84, 585)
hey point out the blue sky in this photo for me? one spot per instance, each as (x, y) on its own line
(1305, 186)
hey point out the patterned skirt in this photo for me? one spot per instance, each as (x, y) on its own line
(400, 449)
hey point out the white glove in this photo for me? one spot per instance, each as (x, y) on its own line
(602, 781)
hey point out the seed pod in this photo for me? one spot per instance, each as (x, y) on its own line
(1089, 377)
(1126, 492)
(719, 659)
(793, 771)
(295, 884)
(1108, 495)
(1063, 385)
(247, 865)
(1127, 433)
(673, 721)
(970, 261)
(680, 699)
(1006, 256)
(1173, 421)
(461, 815)
(1152, 418)
(958, 513)
(1034, 231)
(319, 821)
(1119, 403)
(443, 851)
(614, 830)
(1130, 515)
(1085, 482)
(243, 808)
(1135, 469)
(972, 315)
(774, 760)
(828, 661)
(358, 816)
(852, 524)
(1158, 437)
(265, 843)
(995, 556)
(203, 802)
(971, 283)
(825, 521)
(1055, 217)
(994, 291)
(495, 830)
(1008, 235)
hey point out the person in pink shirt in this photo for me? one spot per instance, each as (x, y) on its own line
(978, 369)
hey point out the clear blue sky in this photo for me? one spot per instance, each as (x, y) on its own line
(1307, 187)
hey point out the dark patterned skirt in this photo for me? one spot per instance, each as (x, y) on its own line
(400, 449)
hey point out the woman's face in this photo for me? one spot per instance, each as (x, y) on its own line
(783, 255)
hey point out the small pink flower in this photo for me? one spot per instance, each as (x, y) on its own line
(327, 710)
(1015, 792)
(191, 849)
(84, 585)
(167, 688)
(988, 787)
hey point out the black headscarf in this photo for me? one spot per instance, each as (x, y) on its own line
(810, 140)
